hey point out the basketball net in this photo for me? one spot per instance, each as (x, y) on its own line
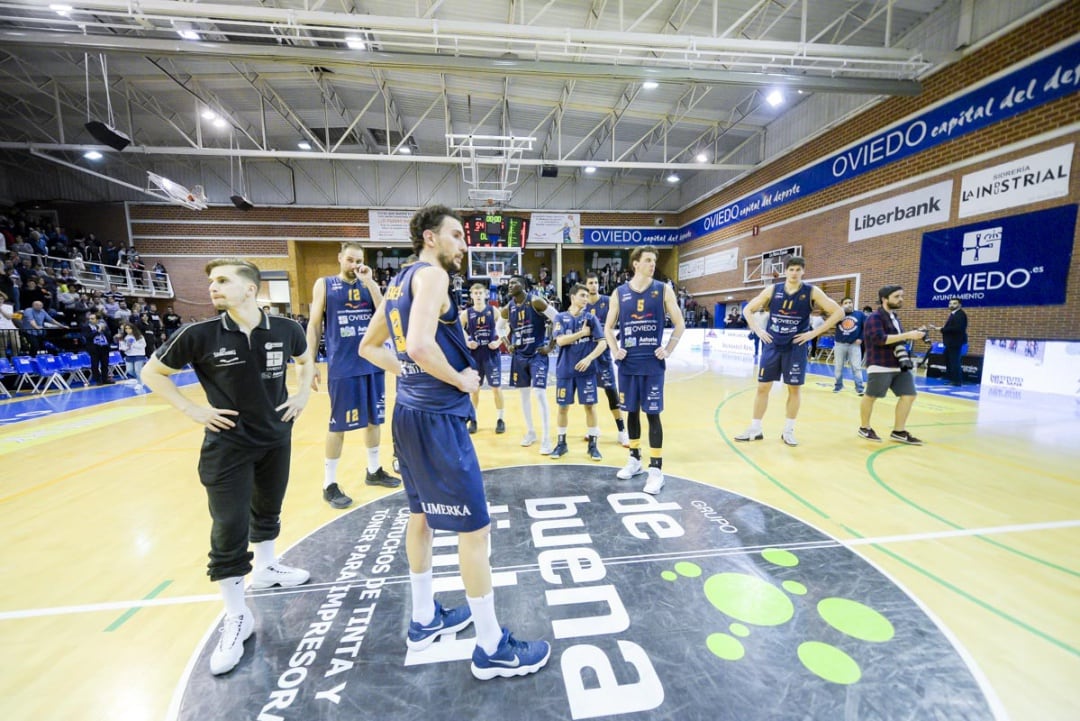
(496, 277)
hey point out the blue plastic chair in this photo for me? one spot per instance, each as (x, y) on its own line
(50, 373)
(6, 369)
(27, 372)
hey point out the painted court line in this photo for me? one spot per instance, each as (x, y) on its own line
(132, 606)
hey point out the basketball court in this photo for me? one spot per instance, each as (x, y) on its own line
(838, 579)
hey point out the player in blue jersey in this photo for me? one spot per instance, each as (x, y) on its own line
(528, 314)
(581, 338)
(785, 338)
(605, 368)
(346, 302)
(638, 314)
(443, 483)
(479, 321)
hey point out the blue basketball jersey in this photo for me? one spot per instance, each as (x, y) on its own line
(570, 355)
(600, 310)
(527, 326)
(349, 307)
(416, 388)
(480, 327)
(641, 328)
(789, 313)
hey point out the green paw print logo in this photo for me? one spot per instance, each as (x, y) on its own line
(751, 601)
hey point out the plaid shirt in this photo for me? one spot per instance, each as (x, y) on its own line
(878, 325)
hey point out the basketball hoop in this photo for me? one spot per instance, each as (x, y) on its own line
(496, 277)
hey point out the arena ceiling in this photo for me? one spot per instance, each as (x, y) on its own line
(485, 94)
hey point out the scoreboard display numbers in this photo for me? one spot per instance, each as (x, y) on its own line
(496, 230)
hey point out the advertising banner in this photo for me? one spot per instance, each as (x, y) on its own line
(1015, 260)
(1032, 365)
(633, 236)
(555, 228)
(389, 226)
(917, 209)
(1038, 177)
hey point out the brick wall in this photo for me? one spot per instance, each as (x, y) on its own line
(895, 258)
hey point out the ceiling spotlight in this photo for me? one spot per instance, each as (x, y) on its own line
(185, 30)
(590, 169)
(93, 155)
(673, 178)
(219, 122)
(701, 158)
(775, 98)
(304, 145)
(355, 43)
(62, 10)
(208, 114)
(241, 202)
(108, 135)
(405, 150)
(650, 84)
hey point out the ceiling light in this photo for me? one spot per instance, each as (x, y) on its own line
(304, 145)
(185, 30)
(208, 114)
(405, 150)
(775, 98)
(673, 178)
(701, 158)
(355, 43)
(93, 155)
(219, 122)
(61, 9)
(590, 169)
(650, 84)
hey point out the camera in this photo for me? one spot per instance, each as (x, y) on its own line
(901, 353)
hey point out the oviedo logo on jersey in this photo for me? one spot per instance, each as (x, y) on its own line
(695, 604)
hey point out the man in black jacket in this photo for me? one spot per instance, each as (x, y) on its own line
(954, 336)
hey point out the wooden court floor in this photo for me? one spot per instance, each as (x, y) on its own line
(105, 528)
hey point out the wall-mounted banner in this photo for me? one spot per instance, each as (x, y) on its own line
(1015, 260)
(692, 269)
(389, 226)
(1038, 177)
(634, 236)
(917, 209)
(1028, 86)
(555, 228)
(723, 261)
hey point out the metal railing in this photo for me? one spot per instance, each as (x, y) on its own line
(98, 276)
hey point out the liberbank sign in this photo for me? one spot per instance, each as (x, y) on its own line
(1042, 79)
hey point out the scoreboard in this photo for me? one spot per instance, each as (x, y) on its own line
(496, 230)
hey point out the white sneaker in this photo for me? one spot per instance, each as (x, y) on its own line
(624, 439)
(230, 647)
(631, 469)
(528, 440)
(655, 482)
(789, 438)
(750, 435)
(278, 574)
(546, 447)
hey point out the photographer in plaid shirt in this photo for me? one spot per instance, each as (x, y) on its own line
(889, 365)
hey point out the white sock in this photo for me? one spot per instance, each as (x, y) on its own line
(526, 407)
(264, 554)
(545, 414)
(423, 597)
(488, 632)
(232, 590)
(329, 471)
(789, 425)
(500, 414)
(755, 424)
(595, 432)
(373, 459)
(561, 430)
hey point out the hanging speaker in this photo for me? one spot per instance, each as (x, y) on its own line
(241, 202)
(549, 171)
(108, 135)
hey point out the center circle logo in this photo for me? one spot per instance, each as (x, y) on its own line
(694, 604)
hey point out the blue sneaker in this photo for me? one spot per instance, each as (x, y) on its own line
(511, 658)
(446, 621)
